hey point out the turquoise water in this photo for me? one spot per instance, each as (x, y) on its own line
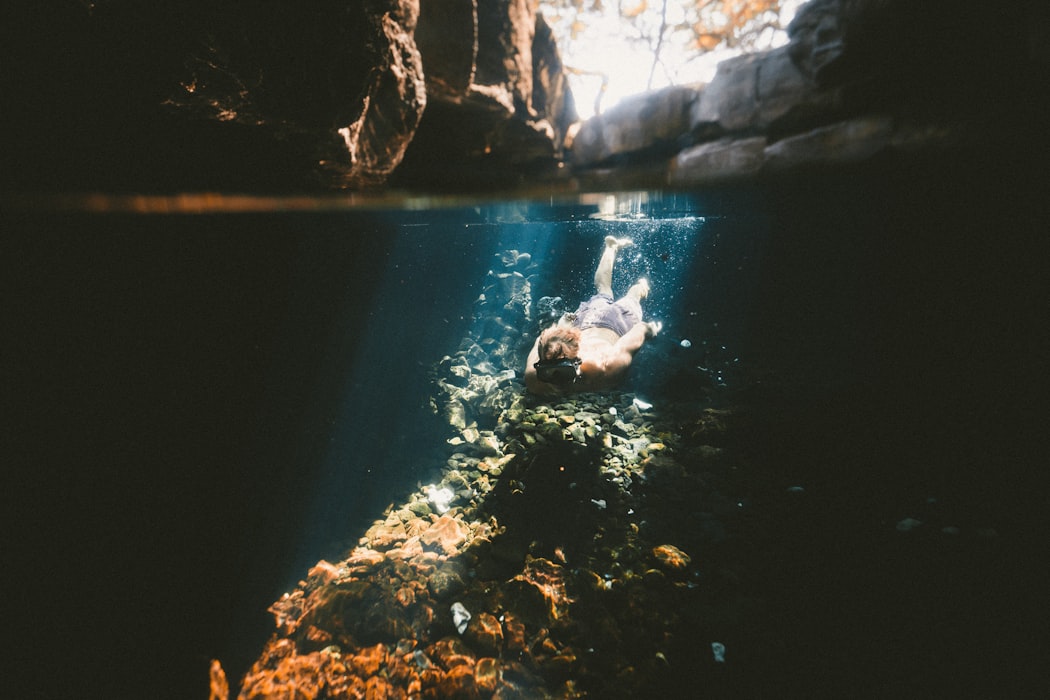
(204, 405)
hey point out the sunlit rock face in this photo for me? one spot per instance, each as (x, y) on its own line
(652, 123)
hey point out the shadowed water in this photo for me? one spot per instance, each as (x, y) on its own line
(203, 406)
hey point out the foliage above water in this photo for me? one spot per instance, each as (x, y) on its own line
(660, 42)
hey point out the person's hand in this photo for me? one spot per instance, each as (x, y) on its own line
(652, 328)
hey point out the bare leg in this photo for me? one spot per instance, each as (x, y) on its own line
(639, 290)
(603, 275)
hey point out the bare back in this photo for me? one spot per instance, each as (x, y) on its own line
(604, 362)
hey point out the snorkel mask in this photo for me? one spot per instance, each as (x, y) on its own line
(560, 371)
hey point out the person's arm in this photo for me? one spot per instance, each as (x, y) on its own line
(628, 344)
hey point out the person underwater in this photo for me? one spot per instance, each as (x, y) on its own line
(591, 349)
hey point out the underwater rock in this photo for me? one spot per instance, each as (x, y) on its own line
(908, 524)
(539, 592)
(487, 675)
(460, 617)
(367, 661)
(385, 535)
(450, 652)
(670, 557)
(446, 535)
(459, 682)
(420, 508)
(513, 258)
(447, 580)
(410, 549)
(486, 634)
(718, 651)
(441, 498)
(456, 414)
(322, 572)
(219, 687)
(514, 632)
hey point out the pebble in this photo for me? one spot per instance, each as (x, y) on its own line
(908, 524)
(460, 617)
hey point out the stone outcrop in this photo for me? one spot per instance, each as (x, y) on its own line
(651, 123)
(499, 101)
(469, 95)
(345, 79)
(324, 94)
(859, 79)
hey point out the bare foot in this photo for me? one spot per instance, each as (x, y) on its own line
(617, 243)
(640, 290)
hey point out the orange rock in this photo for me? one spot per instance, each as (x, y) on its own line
(514, 632)
(363, 556)
(220, 688)
(318, 636)
(561, 664)
(405, 595)
(486, 634)
(386, 534)
(283, 673)
(547, 645)
(367, 661)
(446, 535)
(486, 675)
(323, 572)
(670, 557)
(376, 688)
(451, 652)
(409, 549)
(288, 611)
(459, 683)
(540, 590)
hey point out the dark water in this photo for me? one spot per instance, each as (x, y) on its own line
(199, 407)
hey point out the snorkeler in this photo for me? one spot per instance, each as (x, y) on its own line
(591, 349)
